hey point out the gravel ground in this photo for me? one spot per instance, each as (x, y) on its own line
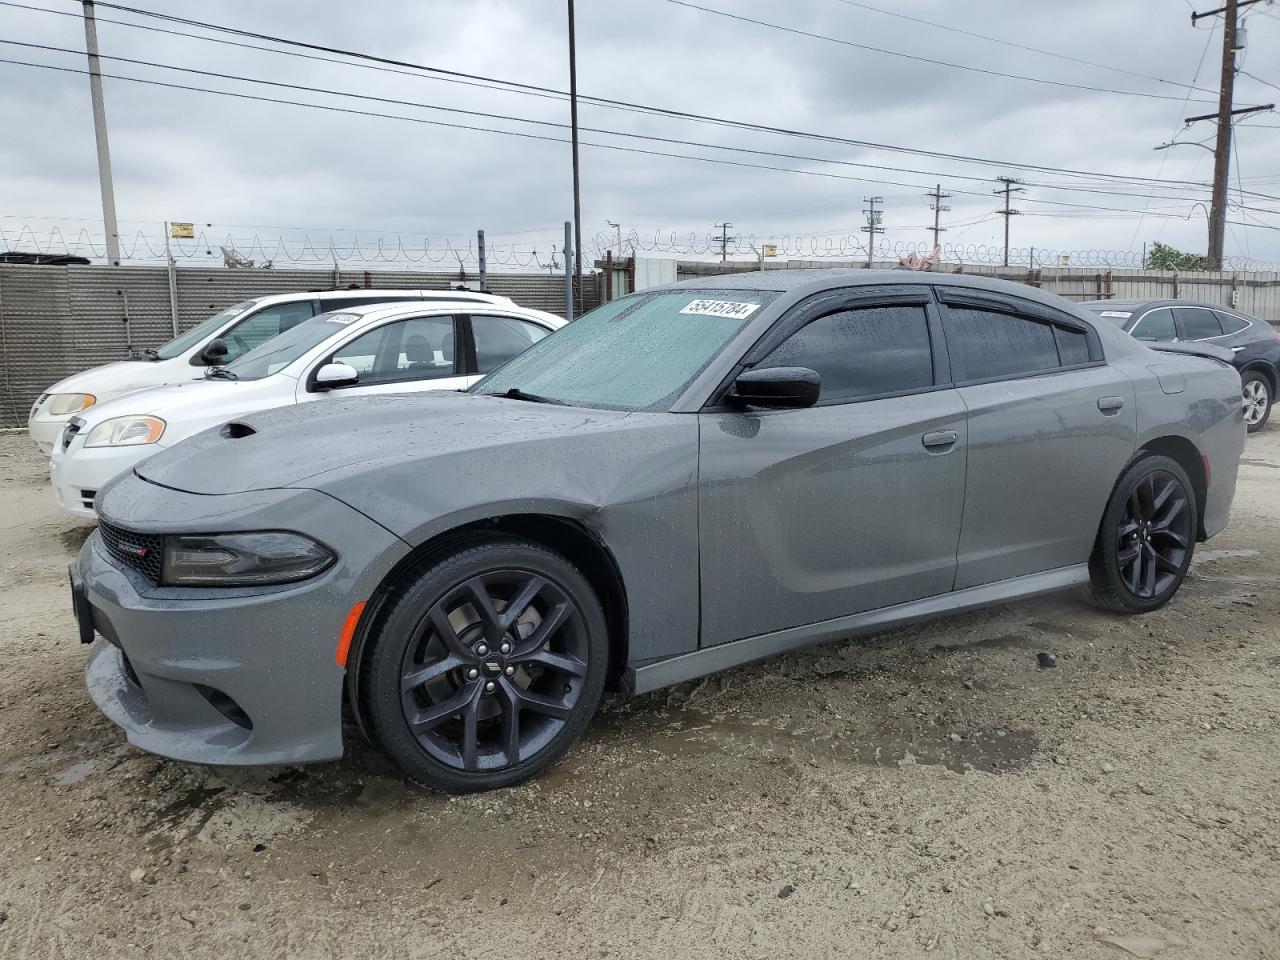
(936, 790)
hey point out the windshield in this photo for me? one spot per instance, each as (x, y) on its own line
(280, 351)
(184, 342)
(637, 353)
(1117, 318)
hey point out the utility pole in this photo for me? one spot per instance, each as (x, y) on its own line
(1008, 190)
(938, 211)
(577, 196)
(109, 225)
(874, 217)
(1222, 148)
(724, 239)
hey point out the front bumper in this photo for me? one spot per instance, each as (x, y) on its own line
(237, 676)
(45, 431)
(78, 473)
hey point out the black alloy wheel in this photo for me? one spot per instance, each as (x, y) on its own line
(487, 667)
(1146, 539)
(1155, 537)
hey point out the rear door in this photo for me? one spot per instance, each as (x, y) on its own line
(1197, 323)
(1051, 425)
(855, 503)
(495, 338)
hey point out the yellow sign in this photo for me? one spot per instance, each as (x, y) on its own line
(182, 231)
(768, 249)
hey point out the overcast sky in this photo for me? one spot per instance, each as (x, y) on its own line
(250, 168)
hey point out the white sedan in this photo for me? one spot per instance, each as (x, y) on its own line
(241, 328)
(364, 350)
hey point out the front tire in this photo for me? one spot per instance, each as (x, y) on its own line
(1258, 397)
(486, 667)
(1146, 538)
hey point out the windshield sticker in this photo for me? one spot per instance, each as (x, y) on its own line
(721, 308)
(1118, 314)
(342, 318)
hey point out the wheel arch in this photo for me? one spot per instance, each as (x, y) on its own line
(1265, 368)
(1187, 455)
(577, 541)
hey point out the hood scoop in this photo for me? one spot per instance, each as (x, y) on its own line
(235, 430)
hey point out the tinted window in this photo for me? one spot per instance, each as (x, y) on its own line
(860, 353)
(636, 353)
(990, 345)
(1156, 325)
(258, 328)
(1073, 346)
(328, 304)
(1231, 324)
(416, 349)
(186, 341)
(498, 339)
(1197, 324)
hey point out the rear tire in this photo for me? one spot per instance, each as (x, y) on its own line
(1258, 397)
(1146, 537)
(486, 667)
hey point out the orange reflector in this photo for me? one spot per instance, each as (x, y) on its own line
(348, 631)
(1208, 471)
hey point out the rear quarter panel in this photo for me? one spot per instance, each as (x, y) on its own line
(1199, 400)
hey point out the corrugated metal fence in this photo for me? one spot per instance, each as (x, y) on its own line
(1257, 294)
(56, 321)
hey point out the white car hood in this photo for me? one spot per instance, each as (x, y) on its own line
(188, 408)
(126, 376)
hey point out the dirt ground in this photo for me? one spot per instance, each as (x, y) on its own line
(934, 790)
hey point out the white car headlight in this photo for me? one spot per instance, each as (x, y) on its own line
(62, 404)
(125, 432)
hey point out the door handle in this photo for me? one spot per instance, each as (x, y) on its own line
(940, 438)
(1110, 405)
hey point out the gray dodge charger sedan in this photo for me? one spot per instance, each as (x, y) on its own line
(683, 480)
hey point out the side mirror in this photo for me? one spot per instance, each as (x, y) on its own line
(336, 375)
(214, 352)
(780, 387)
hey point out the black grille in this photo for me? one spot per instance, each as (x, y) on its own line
(70, 430)
(142, 551)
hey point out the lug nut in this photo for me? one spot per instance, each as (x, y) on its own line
(510, 671)
(481, 649)
(490, 687)
(505, 648)
(472, 673)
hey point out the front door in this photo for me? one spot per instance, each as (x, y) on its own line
(852, 504)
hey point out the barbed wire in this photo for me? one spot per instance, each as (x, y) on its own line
(424, 251)
(851, 246)
(382, 249)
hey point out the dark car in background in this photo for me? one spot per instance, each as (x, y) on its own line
(1254, 343)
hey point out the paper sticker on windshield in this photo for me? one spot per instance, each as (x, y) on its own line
(1118, 314)
(722, 308)
(342, 318)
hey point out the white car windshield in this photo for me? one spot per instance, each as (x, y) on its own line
(637, 353)
(206, 328)
(280, 351)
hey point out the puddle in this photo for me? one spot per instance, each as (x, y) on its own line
(74, 538)
(77, 772)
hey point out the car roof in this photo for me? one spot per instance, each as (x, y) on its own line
(1136, 304)
(383, 294)
(800, 283)
(404, 307)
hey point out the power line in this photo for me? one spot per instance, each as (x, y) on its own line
(542, 123)
(919, 59)
(1022, 46)
(535, 90)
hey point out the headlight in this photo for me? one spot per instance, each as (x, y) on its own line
(62, 404)
(241, 559)
(125, 432)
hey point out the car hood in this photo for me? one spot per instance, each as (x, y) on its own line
(322, 443)
(188, 408)
(124, 376)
